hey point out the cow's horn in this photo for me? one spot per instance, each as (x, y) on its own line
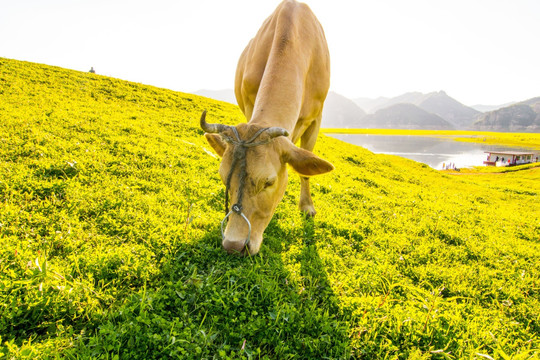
(211, 128)
(277, 131)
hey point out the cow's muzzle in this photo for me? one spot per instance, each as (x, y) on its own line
(237, 209)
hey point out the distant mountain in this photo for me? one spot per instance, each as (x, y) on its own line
(408, 98)
(439, 103)
(370, 105)
(487, 108)
(521, 117)
(404, 116)
(534, 103)
(449, 109)
(226, 95)
(340, 112)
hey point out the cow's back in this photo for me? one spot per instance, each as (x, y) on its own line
(283, 75)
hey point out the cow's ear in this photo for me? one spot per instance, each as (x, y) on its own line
(305, 162)
(216, 142)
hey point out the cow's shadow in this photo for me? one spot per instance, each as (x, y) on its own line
(313, 270)
(251, 303)
(203, 301)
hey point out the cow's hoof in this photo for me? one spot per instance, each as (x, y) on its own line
(308, 210)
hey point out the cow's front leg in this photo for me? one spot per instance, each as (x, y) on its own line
(306, 203)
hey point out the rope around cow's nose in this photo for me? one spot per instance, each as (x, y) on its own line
(238, 210)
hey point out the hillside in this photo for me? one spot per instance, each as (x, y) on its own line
(110, 242)
(403, 116)
(521, 117)
(340, 112)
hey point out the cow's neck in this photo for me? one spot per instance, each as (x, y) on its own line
(279, 99)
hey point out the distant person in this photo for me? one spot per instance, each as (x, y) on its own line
(92, 70)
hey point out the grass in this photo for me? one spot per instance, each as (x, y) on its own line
(110, 242)
(527, 140)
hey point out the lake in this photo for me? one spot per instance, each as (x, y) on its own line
(433, 151)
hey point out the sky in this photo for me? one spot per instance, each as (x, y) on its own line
(478, 51)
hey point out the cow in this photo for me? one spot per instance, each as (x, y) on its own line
(281, 83)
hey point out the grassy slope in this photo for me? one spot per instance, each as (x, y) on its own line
(110, 244)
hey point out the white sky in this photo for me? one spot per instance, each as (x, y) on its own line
(478, 51)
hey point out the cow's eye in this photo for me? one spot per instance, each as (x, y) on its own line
(269, 182)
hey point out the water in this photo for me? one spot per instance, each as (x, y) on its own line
(433, 151)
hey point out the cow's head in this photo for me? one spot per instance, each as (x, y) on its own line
(254, 169)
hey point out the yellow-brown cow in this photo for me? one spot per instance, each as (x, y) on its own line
(282, 80)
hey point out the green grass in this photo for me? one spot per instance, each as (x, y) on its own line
(110, 243)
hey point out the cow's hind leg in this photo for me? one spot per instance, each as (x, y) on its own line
(306, 203)
(308, 140)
